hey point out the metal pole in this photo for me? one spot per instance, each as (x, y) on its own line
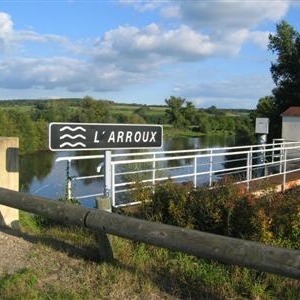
(107, 176)
(105, 202)
(195, 171)
(69, 181)
(210, 167)
(284, 168)
(248, 169)
(262, 139)
(153, 172)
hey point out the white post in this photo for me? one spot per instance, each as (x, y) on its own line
(153, 172)
(105, 202)
(107, 176)
(262, 140)
(69, 181)
(210, 167)
(284, 169)
(195, 171)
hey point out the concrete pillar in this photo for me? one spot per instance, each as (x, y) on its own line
(9, 178)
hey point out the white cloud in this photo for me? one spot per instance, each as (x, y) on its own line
(142, 5)
(6, 25)
(234, 14)
(6, 30)
(243, 91)
(260, 38)
(228, 24)
(147, 48)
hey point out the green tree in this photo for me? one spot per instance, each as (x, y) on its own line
(285, 71)
(94, 111)
(175, 112)
(212, 110)
(202, 121)
(7, 125)
(266, 107)
(136, 119)
(142, 111)
(190, 113)
(51, 111)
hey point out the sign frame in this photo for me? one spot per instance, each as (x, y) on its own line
(103, 136)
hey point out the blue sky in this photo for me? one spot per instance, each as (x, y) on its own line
(208, 52)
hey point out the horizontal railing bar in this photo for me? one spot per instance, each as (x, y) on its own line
(151, 170)
(88, 196)
(87, 177)
(277, 147)
(79, 157)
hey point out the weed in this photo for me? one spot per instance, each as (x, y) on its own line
(20, 285)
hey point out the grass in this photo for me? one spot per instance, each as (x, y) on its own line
(63, 264)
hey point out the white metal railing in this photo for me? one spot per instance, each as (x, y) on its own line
(200, 166)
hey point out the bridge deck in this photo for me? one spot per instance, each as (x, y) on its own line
(276, 182)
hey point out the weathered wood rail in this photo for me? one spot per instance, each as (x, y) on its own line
(281, 261)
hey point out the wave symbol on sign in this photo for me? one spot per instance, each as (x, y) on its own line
(74, 136)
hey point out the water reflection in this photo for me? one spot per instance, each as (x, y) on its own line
(35, 166)
(86, 167)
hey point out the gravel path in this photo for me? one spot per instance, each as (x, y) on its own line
(14, 250)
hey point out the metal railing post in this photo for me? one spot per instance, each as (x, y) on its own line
(249, 171)
(153, 171)
(69, 181)
(210, 167)
(113, 192)
(195, 171)
(281, 157)
(105, 202)
(284, 169)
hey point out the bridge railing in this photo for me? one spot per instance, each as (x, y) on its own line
(201, 166)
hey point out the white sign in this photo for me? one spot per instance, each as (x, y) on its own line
(262, 125)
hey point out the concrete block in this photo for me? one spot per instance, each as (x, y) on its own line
(9, 178)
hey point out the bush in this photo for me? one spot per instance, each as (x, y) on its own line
(224, 209)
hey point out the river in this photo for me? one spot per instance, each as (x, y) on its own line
(41, 175)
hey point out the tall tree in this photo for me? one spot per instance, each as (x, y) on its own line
(190, 113)
(94, 111)
(286, 70)
(175, 111)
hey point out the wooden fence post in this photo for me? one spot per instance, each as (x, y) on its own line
(9, 178)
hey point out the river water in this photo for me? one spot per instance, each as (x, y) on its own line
(41, 175)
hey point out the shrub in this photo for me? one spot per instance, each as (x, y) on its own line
(222, 209)
(273, 218)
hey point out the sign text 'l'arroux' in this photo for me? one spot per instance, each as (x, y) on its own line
(89, 136)
(129, 136)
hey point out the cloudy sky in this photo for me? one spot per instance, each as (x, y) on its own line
(208, 52)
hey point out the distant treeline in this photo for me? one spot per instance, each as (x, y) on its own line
(29, 119)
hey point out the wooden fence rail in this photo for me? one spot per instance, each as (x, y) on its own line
(281, 261)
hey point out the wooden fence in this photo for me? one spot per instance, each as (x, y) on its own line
(285, 262)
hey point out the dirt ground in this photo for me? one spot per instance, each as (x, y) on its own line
(14, 250)
(19, 250)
